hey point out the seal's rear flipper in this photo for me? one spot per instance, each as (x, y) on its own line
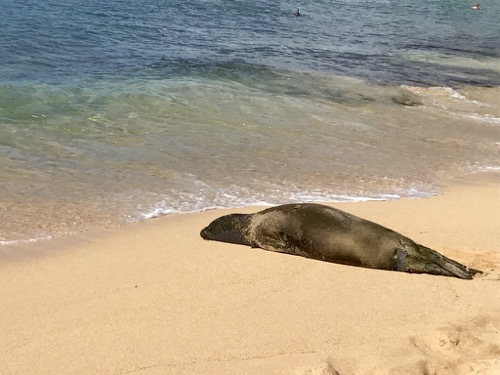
(416, 258)
(474, 272)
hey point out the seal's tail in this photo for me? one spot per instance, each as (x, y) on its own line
(416, 258)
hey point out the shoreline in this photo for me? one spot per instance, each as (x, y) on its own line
(343, 152)
(157, 213)
(154, 298)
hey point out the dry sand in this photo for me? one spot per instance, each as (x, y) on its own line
(154, 298)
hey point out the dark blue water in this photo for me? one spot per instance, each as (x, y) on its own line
(55, 42)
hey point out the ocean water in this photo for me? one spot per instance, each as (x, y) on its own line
(118, 111)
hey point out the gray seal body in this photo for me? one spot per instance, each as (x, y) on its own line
(325, 233)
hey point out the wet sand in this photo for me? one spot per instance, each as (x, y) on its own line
(155, 298)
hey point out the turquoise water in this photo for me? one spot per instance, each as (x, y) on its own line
(118, 111)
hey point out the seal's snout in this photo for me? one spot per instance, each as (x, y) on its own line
(228, 228)
(204, 234)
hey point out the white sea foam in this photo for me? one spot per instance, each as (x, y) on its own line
(487, 168)
(438, 92)
(484, 118)
(29, 240)
(169, 206)
(453, 93)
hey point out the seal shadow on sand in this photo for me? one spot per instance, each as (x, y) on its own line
(328, 234)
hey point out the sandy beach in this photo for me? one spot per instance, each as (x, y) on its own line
(155, 298)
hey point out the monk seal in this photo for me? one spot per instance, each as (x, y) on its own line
(325, 233)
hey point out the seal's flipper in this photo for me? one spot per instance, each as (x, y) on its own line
(280, 242)
(421, 259)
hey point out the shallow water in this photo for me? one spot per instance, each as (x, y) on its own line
(116, 112)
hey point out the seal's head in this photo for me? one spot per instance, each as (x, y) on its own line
(229, 228)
